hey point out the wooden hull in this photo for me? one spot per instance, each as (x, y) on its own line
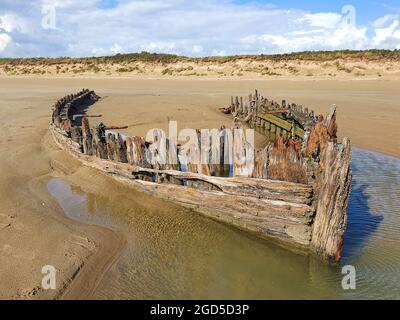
(310, 215)
(269, 209)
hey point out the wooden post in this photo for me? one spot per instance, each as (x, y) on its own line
(129, 150)
(122, 149)
(272, 131)
(278, 131)
(110, 146)
(76, 135)
(267, 126)
(86, 137)
(205, 150)
(239, 153)
(331, 217)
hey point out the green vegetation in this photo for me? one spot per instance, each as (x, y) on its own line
(123, 70)
(167, 72)
(171, 58)
(118, 58)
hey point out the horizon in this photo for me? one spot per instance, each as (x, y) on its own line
(54, 28)
(239, 55)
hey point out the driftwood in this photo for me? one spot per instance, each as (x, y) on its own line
(295, 190)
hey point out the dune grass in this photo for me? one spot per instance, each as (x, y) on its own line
(171, 58)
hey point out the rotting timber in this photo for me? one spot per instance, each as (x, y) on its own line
(296, 194)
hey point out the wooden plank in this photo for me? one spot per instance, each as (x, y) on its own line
(277, 121)
(299, 132)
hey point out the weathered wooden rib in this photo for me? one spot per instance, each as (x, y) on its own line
(297, 192)
(274, 209)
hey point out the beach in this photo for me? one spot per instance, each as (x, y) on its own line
(34, 230)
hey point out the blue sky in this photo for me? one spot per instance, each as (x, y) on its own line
(107, 4)
(194, 27)
(367, 11)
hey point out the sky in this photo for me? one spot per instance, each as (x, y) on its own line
(77, 28)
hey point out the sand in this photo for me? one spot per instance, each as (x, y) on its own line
(350, 67)
(35, 232)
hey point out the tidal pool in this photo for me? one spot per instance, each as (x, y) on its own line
(175, 253)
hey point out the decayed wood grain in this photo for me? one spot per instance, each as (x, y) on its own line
(276, 211)
(331, 218)
(297, 192)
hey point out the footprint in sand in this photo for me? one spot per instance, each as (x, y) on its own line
(28, 293)
(5, 221)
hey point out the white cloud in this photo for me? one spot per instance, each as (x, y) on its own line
(197, 49)
(388, 37)
(159, 46)
(341, 38)
(99, 51)
(313, 34)
(12, 22)
(5, 39)
(382, 21)
(207, 27)
(116, 48)
(324, 20)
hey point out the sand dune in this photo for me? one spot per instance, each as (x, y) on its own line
(334, 65)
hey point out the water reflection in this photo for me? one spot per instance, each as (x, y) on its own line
(174, 253)
(361, 223)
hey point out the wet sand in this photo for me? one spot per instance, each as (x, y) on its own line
(34, 230)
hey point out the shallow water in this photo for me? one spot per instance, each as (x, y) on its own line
(372, 241)
(174, 253)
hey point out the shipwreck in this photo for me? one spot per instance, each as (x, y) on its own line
(296, 191)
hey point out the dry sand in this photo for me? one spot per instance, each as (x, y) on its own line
(368, 110)
(34, 230)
